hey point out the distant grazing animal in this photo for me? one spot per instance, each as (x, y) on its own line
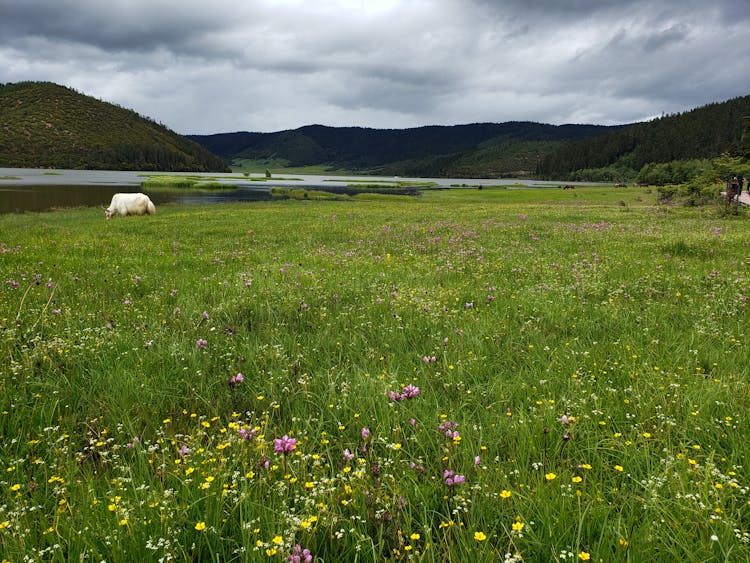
(130, 204)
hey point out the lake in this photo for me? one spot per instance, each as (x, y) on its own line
(25, 189)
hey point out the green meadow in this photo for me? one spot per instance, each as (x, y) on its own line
(468, 375)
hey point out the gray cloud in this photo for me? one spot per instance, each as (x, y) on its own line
(276, 64)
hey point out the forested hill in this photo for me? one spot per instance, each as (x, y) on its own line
(45, 125)
(473, 150)
(704, 132)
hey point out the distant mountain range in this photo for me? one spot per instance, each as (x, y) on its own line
(47, 125)
(474, 150)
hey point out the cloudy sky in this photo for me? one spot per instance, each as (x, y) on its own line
(267, 65)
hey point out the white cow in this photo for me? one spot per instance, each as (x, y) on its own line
(130, 204)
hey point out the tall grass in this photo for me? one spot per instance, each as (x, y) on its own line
(471, 375)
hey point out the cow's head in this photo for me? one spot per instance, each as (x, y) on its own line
(108, 213)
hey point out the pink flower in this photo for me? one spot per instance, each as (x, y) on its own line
(408, 392)
(452, 479)
(348, 456)
(284, 445)
(247, 434)
(201, 344)
(365, 433)
(236, 379)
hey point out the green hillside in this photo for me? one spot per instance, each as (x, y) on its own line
(702, 133)
(45, 125)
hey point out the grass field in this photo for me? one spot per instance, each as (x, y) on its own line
(469, 375)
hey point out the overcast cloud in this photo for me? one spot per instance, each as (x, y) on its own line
(268, 65)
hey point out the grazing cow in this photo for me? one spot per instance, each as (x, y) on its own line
(130, 204)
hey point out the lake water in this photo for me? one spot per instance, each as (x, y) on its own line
(24, 189)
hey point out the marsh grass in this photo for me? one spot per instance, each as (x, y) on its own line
(591, 363)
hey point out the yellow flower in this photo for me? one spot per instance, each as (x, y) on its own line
(550, 476)
(15, 487)
(480, 536)
(415, 537)
(278, 540)
(517, 526)
(619, 468)
(200, 526)
(505, 493)
(576, 479)
(584, 556)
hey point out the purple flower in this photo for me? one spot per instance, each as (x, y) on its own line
(348, 456)
(477, 460)
(450, 429)
(408, 392)
(284, 445)
(184, 451)
(247, 434)
(236, 379)
(201, 344)
(204, 315)
(564, 420)
(299, 555)
(365, 433)
(452, 479)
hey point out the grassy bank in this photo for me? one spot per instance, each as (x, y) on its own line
(538, 375)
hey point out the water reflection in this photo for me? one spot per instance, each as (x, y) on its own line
(18, 199)
(23, 189)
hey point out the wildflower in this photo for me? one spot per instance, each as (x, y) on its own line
(201, 343)
(299, 555)
(550, 476)
(284, 445)
(408, 392)
(505, 493)
(619, 468)
(204, 315)
(449, 428)
(200, 526)
(584, 556)
(477, 460)
(236, 379)
(184, 451)
(452, 479)
(480, 536)
(576, 479)
(365, 433)
(278, 540)
(348, 456)
(517, 526)
(414, 537)
(247, 434)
